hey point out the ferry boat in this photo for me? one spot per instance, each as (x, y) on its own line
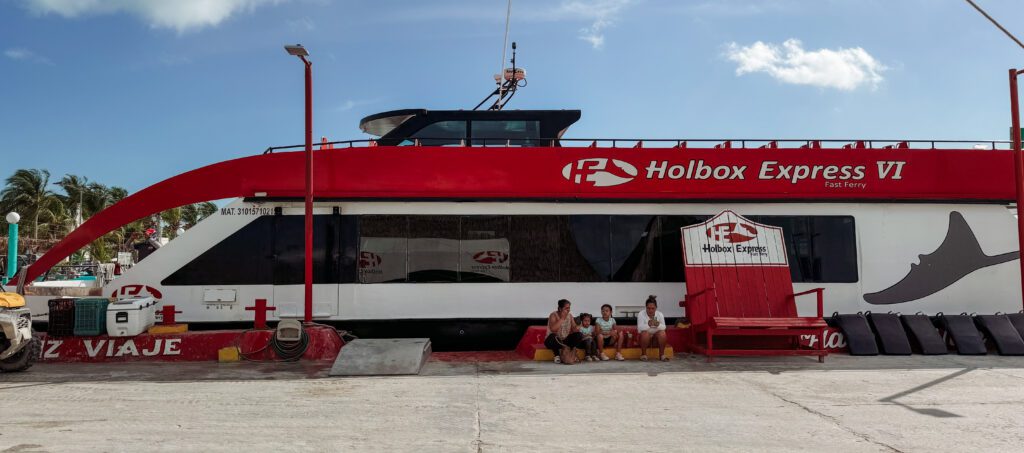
(467, 226)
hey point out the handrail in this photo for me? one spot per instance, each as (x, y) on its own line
(680, 143)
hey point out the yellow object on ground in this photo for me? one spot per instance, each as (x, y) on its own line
(542, 355)
(164, 330)
(228, 354)
(11, 300)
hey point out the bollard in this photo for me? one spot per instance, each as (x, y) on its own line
(261, 309)
(167, 313)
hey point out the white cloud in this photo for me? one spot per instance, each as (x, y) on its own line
(174, 60)
(179, 15)
(303, 23)
(23, 54)
(740, 7)
(844, 69)
(350, 104)
(18, 54)
(600, 13)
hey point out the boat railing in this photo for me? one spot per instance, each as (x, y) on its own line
(678, 143)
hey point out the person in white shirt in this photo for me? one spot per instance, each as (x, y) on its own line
(650, 323)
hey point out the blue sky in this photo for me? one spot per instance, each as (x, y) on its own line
(130, 92)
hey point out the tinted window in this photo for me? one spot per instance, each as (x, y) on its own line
(585, 251)
(577, 248)
(271, 250)
(442, 133)
(669, 246)
(433, 248)
(484, 251)
(833, 249)
(821, 248)
(334, 249)
(505, 133)
(348, 249)
(383, 248)
(633, 254)
(244, 258)
(535, 244)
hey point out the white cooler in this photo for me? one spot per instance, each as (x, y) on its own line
(130, 317)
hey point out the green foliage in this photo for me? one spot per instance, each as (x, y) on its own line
(48, 216)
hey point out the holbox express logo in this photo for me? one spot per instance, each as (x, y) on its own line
(598, 172)
(136, 291)
(369, 260)
(732, 232)
(490, 257)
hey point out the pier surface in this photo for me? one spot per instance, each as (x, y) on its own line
(947, 403)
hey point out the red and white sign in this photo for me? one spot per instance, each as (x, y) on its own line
(729, 239)
(324, 344)
(136, 291)
(599, 172)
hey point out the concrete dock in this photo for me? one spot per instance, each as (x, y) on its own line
(947, 403)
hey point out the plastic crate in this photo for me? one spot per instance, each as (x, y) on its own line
(91, 316)
(61, 317)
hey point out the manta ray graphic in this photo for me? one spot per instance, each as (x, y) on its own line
(958, 255)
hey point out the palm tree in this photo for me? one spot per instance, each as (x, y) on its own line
(191, 214)
(172, 218)
(75, 189)
(27, 191)
(205, 209)
(117, 194)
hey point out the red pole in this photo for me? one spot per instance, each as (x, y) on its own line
(1018, 170)
(309, 191)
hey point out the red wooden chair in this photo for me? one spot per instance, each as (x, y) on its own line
(738, 284)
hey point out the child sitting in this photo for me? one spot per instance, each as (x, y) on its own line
(608, 334)
(589, 342)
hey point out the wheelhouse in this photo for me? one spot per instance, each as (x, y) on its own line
(473, 127)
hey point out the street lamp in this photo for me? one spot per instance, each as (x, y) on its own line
(1018, 167)
(299, 51)
(12, 245)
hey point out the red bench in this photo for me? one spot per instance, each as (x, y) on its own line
(739, 285)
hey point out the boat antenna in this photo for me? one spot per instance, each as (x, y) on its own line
(508, 82)
(508, 79)
(504, 44)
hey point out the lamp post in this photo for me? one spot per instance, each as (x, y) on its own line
(12, 245)
(1018, 168)
(299, 51)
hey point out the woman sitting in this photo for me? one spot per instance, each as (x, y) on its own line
(563, 332)
(651, 325)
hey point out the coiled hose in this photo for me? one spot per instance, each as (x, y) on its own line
(290, 351)
(287, 351)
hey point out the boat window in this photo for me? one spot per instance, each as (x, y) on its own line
(270, 250)
(383, 248)
(834, 249)
(333, 262)
(484, 252)
(633, 255)
(535, 247)
(821, 249)
(433, 248)
(668, 245)
(489, 248)
(585, 254)
(441, 133)
(505, 133)
(244, 258)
